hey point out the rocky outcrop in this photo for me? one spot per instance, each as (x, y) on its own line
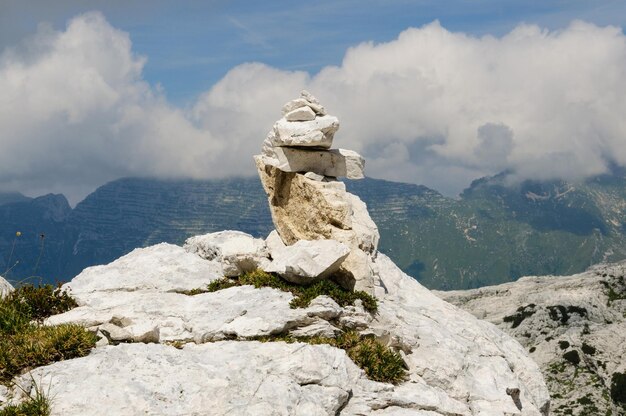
(298, 173)
(574, 327)
(5, 287)
(457, 365)
(176, 338)
(238, 252)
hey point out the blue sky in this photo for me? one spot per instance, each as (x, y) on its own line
(430, 92)
(190, 45)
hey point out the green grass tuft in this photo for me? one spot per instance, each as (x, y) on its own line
(40, 302)
(379, 362)
(37, 404)
(25, 343)
(303, 295)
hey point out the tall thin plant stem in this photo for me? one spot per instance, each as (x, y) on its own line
(9, 267)
(43, 239)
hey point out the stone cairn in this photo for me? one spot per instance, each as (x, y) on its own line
(299, 171)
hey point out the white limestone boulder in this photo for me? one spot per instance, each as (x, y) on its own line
(304, 113)
(159, 268)
(334, 162)
(141, 297)
(274, 243)
(314, 133)
(5, 287)
(238, 252)
(308, 261)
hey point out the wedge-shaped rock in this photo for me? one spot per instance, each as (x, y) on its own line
(314, 133)
(305, 113)
(307, 261)
(238, 252)
(5, 287)
(334, 162)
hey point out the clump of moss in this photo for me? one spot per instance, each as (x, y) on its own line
(25, 343)
(379, 362)
(303, 294)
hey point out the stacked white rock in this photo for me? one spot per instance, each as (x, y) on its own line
(299, 171)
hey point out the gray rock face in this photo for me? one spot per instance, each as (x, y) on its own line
(5, 287)
(574, 327)
(457, 365)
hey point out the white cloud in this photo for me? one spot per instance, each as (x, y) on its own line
(543, 104)
(75, 113)
(431, 107)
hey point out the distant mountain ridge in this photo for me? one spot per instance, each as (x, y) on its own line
(492, 234)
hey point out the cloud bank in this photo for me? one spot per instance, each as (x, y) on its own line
(431, 107)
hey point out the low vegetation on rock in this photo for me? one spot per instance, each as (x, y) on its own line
(379, 362)
(25, 343)
(303, 295)
(38, 404)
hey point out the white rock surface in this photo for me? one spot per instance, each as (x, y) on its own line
(162, 267)
(237, 252)
(557, 315)
(308, 261)
(333, 162)
(306, 99)
(5, 287)
(451, 350)
(304, 113)
(274, 243)
(457, 364)
(315, 133)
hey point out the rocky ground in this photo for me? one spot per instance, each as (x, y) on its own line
(574, 327)
(165, 352)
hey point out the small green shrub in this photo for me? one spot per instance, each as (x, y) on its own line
(618, 389)
(220, 284)
(40, 302)
(588, 349)
(379, 362)
(343, 297)
(522, 313)
(572, 356)
(303, 295)
(13, 318)
(25, 344)
(36, 345)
